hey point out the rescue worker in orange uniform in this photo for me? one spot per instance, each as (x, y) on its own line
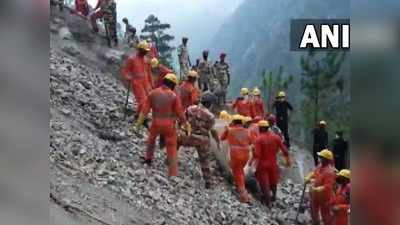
(137, 71)
(239, 140)
(242, 104)
(321, 191)
(158, 72)
(257, 104)
(273, 127)
(153, 53)
(267, 146)
(166, 109)
(341, 201)
(187, 91)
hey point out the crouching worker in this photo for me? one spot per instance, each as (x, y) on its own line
(239, 140)
(341, 201)
(166, 109)
(267, 146)
(202, 122)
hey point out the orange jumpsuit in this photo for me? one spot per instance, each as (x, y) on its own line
(320, 201)
(243, 107)
(153, 51)
(258, 107)
(137, 71)
(267, 146)
(166, 109)
(341, 200)
(239, 140)
(188, 93)
(158, 78)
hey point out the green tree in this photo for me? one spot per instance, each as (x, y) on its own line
(321, 85)
(155, 30)
(272, 82)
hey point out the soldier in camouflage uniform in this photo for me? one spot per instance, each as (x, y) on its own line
(206, 73)
(223, 76)
(184, 59)
(106, 9)
(202, 122)
(130, 34)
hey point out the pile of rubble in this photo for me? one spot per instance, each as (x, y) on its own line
(90, 142)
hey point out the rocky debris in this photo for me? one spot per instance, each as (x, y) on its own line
(90, 143)
(65, 33)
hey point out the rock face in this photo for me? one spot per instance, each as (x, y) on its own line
(96, 162)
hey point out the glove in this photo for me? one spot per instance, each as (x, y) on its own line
(307, 179)
(188, 128)
(139, 122)
(288, 162)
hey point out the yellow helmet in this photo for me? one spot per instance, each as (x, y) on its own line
(326, 154)
(256, 91)
(322, 122)
(172, 77)
(344, 173)
(143, 45)
(282, 94)
(154, 62)
(244, 91)
(237, 117)
(224, 115)
(263, 123)
(246, 119)
(193, 73)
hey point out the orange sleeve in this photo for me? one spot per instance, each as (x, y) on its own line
(258, 148)
(329, 181)
(126, 69)
(234, 106)
(194, 96)
(224, 134)
(146, 105)
(262, 107)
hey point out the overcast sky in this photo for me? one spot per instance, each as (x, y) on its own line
(197, 19)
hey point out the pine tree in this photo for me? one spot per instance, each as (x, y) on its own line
(320, 82)
(154, 30)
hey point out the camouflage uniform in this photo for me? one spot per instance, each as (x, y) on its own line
(184, 61)
(202, 121)
(130, 35)
(110, 18)
(223, 76)
(206, 75)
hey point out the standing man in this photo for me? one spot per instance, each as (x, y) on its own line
(184, 59)
(202, 122)
(166, 109)
(158, 72)
(106, 9)
(187, 91)
(206, 73)
(267, 146)
(340, 150)
(320, 140)
(257, 104)
(242, 104)
(321, 191)
(136, 70)
(130, 33)
(223, 76)
(240, 141)
(282, 108)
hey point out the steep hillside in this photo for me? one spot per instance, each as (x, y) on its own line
(256, 36)
(96, 170)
